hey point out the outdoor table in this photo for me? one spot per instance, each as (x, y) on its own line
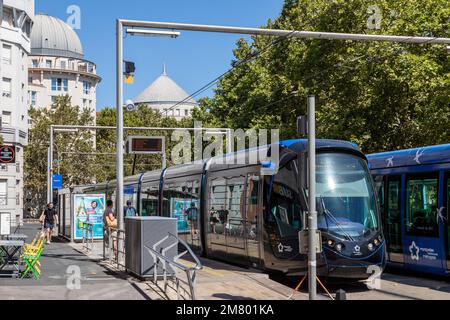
(20, 237)
(10, 253)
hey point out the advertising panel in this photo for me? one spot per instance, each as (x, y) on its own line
(88, 208)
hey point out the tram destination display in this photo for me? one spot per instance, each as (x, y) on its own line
(7, 154)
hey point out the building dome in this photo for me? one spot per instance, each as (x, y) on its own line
(164, 90)
(51, 36)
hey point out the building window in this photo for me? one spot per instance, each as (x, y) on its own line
(186, 112)
(6, 87)
(33, 98)
(84, 103)
(3, 192)
(63, 64)
(86, 88)
(6, 118)
(178, 113)
(35, 63)
(48, 64)
(59, 84)
(6, 54)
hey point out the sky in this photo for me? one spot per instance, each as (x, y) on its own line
(192, 60)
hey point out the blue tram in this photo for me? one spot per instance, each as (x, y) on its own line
(251, 214)
(413, 189)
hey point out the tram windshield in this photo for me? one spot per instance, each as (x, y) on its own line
(346, 200)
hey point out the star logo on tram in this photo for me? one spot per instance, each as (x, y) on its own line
(419, 154)
(390, 162)
(440, 215)
(414, 250)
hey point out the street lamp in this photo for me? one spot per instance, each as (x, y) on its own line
(153, 33)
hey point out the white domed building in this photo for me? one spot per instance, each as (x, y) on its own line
(57, 66)
(165, 95)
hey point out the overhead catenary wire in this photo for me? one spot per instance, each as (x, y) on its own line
(251, 56)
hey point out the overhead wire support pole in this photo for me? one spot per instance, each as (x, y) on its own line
(119, 125)
(312, 216)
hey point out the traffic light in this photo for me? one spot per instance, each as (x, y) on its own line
(129, 67)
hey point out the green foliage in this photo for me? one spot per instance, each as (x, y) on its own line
(141, 117)
(68, 148)
(383, 96)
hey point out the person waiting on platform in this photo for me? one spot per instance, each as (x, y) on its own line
(129, 210)
(49, 218)
(110, 222)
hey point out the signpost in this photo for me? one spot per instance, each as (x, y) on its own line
(57, 181)
(7, 154)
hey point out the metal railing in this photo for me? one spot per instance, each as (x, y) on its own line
(116, 247)
(170, 264)
(88, 236)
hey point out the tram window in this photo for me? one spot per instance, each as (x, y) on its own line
(379, 184)
(131, 195)
(235, 222)
(217, 210)
(149, 200)
(286, 210)
(421, 207)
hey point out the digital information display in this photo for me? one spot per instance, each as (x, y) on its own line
(146, 145)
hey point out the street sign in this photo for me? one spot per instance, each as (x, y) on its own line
(7, 154)
(128, 190)
(146, 145)
(57, 181)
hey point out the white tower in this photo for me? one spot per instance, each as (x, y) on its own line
(57, 66)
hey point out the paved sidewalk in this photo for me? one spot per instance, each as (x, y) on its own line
(70, 273)
(63, 268)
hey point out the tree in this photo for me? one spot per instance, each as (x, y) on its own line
(143, 116)
(70, 149)
(383, 96)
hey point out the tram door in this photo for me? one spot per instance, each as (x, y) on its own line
(447, 224)
(254, 219)
(389, 197)
(393, 219)
(234, 223)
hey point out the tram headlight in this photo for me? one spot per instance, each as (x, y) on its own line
(339, 247)
(370, 246)
(330, 243)
(380, 238)
(376, 242)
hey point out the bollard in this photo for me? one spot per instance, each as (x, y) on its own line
(341, 295)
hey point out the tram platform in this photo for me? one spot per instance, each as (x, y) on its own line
(70, 273)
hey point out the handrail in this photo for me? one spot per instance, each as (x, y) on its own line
(88, 235)
(189, 271)
(119, 251)
(193, 255)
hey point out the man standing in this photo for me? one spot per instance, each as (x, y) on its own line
(129, 210)
(49, 217)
